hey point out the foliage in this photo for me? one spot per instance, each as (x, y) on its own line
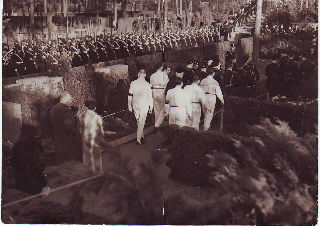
(121, 195)
(269, 178)
(240, 112)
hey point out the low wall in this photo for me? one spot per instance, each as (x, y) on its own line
(36, 95)
(11, 121)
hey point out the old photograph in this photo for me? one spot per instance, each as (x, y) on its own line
(160, 112)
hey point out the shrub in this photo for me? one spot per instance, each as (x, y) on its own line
(240, 112)
(269, 178)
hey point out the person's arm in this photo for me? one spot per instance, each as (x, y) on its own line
(130, 96)
(219, 93)
(188, 106)
(150, 100)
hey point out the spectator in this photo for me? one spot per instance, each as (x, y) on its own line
(26, 161)
(65, 133)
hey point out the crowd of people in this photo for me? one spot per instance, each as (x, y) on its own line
(35, 56)
(287, 72)
(38, 56)
(183, 94)
(295, 29)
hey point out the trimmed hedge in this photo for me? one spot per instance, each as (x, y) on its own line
(241, 112)
(188, 149)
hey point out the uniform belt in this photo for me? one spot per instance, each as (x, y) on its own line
(157, 88)
(173, 106)
(196, 102)
(211, 93)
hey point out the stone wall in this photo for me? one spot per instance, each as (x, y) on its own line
(36, 96)
(11, 121)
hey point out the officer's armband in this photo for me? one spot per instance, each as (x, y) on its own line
(130, 94)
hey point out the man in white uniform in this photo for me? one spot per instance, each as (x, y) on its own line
(198, 98)
(158, 82)
(212, 89)
(180, 105)
(140, 101)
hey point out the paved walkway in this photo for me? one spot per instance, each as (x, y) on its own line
(142, 153)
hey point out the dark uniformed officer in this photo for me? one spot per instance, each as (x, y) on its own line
(272, 71)
(251, 74)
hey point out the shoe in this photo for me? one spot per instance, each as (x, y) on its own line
(138, 143)
(143, 140)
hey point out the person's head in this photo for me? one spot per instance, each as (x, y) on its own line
(178, 82)
(142, 73)
(179, 72)
(66, 99)
(166, 69)
(91, 105)
(195, 78)
(216, 64)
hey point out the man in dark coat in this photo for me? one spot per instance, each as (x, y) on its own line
(65, 131)
(26, 161)
(272, 72)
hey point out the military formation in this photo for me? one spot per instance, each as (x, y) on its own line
(35, 56)
(38, 56)
(286, 72)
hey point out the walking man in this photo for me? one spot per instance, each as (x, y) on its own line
(91, 129)
(212, 90)
(198, 98)
(180, 105)
(140, 102)
(158, 82)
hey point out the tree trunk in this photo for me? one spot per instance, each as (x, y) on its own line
(45, 4)
(301, 5)
(257, 30)
(31, 15)
(165, 15)
(159, 6)
(181, 7)
(49, 17)
(177, 6)
(65, 7)
(307, 4)
(115, 21)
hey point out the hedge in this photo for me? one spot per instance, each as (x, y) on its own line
(241, 112)
(268, 173)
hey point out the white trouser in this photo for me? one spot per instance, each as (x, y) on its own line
(177, 116)
(211, 100)
(141, 116)
(194, 121)
(159, 97)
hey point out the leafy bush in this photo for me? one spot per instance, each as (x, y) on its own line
(121, 196)
(269, 178)
(240, 112)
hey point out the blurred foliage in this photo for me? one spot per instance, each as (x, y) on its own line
(241, 112)
(269, 178)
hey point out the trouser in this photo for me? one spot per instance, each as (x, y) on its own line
(208, 114)
(141, 116)
(177, 116)
(194, 121)
(92, 155)
(158, 96)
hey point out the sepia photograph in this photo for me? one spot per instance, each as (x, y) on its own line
(159, 112)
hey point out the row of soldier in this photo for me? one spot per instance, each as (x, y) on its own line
(286, 73)
(36, 56)
(282, 29)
